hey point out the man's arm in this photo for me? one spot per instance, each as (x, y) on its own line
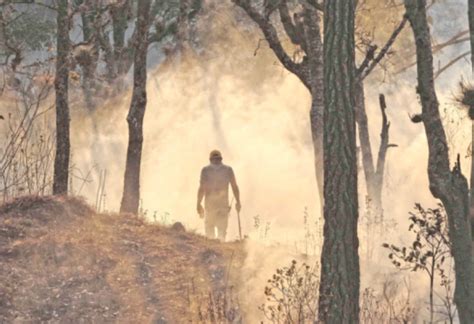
(235, 190)
(200, 195)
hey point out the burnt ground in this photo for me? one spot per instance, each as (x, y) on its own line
(60, 262)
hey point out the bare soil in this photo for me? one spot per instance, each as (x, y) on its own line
(60, 262)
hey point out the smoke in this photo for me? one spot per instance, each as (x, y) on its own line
(257, 114)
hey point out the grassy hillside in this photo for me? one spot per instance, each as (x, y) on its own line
(62, 262)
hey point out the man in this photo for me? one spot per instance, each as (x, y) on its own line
(214, 187)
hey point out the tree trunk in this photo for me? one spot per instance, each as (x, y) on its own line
(315, 45)
(316, 120)
(471, 33)
(131, 191)
(374, 195)
(89, 60)
(340, 274)
(61, 161)
(449, 186)
(122, 54)
(470, 12)
(119, 26)
(471, 189)
(381, 159)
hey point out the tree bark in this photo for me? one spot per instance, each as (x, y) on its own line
(471, 37)
(89, 62)
(382, 157)
(119, 25)
(450, 186)
(61, 161)
(340, 274)
(315, 46)
(131, 192)
(365, 147)
(470, 11)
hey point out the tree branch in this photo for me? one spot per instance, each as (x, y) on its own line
(287, 22)
(385, 49)
(271, 36)
(452, 62)
(315, 4)
(384, 138)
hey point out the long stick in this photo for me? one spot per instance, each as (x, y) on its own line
(240, 228)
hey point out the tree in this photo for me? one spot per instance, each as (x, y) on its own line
(303, 30)
(471, 37)
(61, 161)
(450, 186)
(147, 31)
(131, 191)
(340, 274)
(374, 174)
(301, 24)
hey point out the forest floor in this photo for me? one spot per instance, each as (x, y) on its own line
(61, 262)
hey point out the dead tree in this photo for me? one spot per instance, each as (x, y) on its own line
(450, 186)
(61, 161)
(131, 191)
(373, 173)
(340, 273)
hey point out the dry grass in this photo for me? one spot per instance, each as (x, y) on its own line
(59, 262)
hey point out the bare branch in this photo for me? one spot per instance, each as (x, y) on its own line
(369, 56)
(385, 49)
(451, 63)
(384, 138)
(315, 4)
(456, 39)
(271, 36)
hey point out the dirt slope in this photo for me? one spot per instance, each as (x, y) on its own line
(62, 263)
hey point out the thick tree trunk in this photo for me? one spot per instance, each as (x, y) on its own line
(471, 33)
(316, 120)
(61, 161)
(340, 274)
(470, 12)
(449, 186)
(315, 45)
(131, 191)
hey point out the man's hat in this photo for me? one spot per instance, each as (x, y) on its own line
(215, 154)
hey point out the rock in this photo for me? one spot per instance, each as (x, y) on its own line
(178, 227)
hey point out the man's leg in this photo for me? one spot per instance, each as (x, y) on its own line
(210, 224)
(222, 222)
